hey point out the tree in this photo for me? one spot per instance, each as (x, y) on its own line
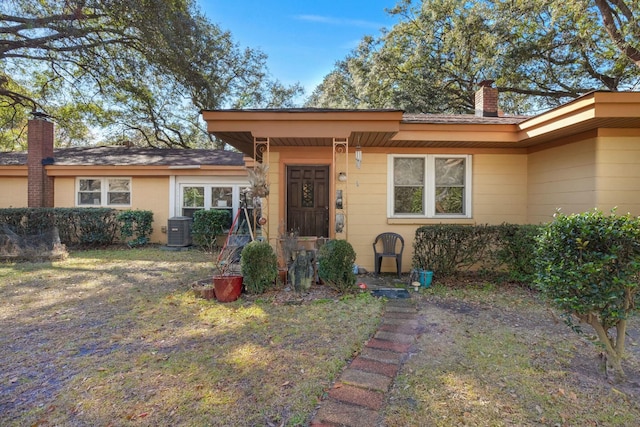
(138, 70)
(540, 54)
(588, 265)
(620, 20)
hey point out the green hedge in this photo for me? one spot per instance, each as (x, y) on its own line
(448, 249)
(80, 227)
(207, 225)
(135, 227)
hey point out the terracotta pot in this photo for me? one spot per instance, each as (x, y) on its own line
(227, 288)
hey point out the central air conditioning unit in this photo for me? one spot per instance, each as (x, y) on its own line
(179, 231)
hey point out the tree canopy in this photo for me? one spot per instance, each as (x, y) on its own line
(135, 70)
(539, 54)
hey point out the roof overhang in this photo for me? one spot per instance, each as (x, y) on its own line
(386, 128)
(146, 171)
(14, 170)
(238, 128)
(590, 112)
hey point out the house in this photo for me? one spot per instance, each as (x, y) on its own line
(352, 174)
(169, 182)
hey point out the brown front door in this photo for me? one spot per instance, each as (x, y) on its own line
(308, 200)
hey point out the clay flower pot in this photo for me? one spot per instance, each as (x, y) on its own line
(227, 288)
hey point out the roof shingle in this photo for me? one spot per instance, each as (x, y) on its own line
(131, 156)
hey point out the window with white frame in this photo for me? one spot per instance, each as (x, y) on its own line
(103, 191)
(192, 200)
(227, 197)
(430, 186)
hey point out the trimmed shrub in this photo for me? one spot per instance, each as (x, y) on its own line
(588, 266)
(259, 266)
(77, 226)
(516, 250)
(447, 249)
(336, 258)
(207, 225)
(136, 226)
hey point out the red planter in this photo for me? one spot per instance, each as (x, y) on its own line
(227, 288)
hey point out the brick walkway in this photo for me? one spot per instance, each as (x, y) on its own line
(359, 395)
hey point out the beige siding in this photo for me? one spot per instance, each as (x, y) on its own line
(618, 183)
(498, 192)
(499, 188)
(146, 194)
(561, 178)
(275, 217)
(13, 192)
(65, 192)
(367, 211)
(152, 194)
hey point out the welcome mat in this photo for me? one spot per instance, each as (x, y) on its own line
(391, 293)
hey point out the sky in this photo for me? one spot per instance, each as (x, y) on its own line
(303, 39)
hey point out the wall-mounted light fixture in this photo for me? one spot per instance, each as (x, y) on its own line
(358, 156)
(342, 177)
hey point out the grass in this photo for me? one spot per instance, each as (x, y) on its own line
(498, 358)
(114, 337)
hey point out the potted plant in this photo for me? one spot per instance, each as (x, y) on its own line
(227, 279)
(259, 267)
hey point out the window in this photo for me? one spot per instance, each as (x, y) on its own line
(202, 196)
(104, 191)
(430, 186)
(192, 200)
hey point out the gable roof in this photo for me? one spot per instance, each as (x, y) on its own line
(131, 156)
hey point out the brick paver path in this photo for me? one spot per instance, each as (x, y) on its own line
(359, 395)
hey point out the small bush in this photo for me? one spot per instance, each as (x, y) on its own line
(135, 224)
(207, 225)
(335, 268)
(516, 250)
(259, 266)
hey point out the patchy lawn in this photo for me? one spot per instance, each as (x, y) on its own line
(499, 357)
(116, 337)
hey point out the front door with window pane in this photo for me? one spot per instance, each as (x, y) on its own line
(308, 200)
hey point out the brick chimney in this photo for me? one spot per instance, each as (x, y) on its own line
(487, 100)
(39, 154)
